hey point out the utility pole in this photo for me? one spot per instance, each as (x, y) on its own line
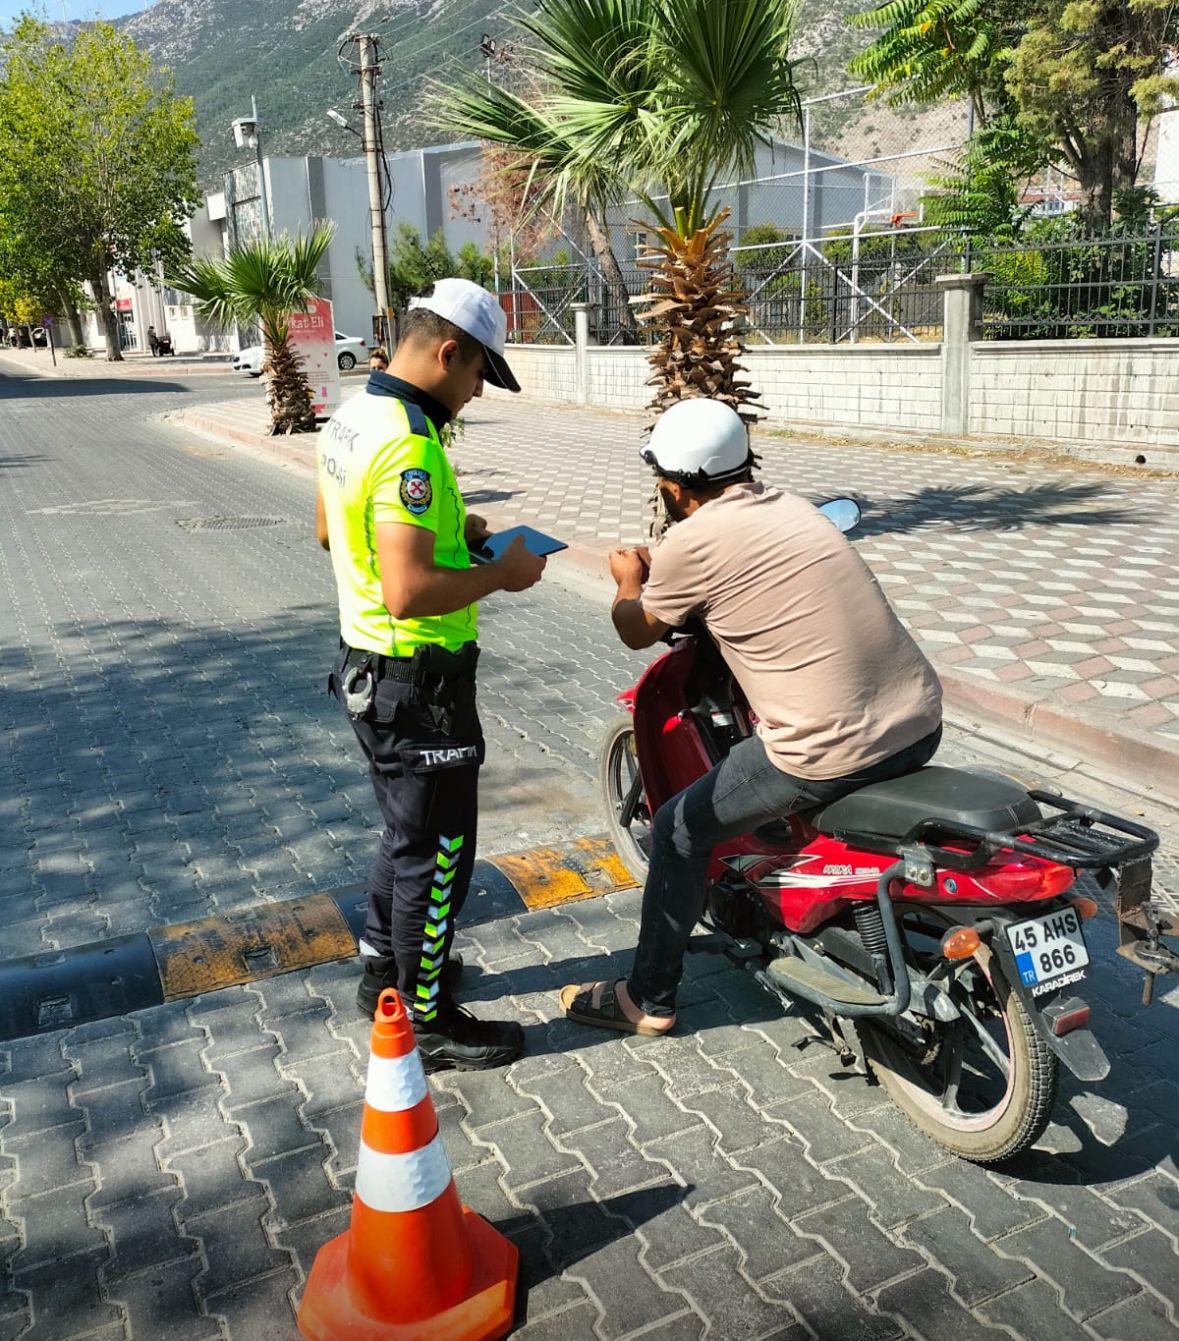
(370, 69)
(263, 203)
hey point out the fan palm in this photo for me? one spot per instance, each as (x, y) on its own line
(656, 99)
(266, 281)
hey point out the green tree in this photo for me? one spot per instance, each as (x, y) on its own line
(1086, 76)
(1068, 82)
(934, 49)
(659, 99)
(265, 281)
(980, 194)
(97, 156)
(414, 267)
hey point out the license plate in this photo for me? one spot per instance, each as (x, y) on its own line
(1048, 949)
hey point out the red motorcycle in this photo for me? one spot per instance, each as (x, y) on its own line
(928, 925)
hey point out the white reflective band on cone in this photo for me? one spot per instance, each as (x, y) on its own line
(402, 1182)
(395, 1083)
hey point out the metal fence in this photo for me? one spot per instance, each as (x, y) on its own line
(1098, 287)
(831, 246)
(824, 235)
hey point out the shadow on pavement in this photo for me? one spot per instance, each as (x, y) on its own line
(981, 507)
(564, 1233)
(187, 769)
(18, 462)
(48, 388)
(1101, 1133)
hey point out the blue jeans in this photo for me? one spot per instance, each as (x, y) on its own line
(744, 790)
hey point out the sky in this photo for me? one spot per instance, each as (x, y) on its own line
(73, 9)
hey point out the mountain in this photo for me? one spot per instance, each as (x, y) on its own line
(284, 52)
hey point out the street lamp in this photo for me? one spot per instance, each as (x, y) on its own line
(341, 120)
(246, 135)
(488, 48)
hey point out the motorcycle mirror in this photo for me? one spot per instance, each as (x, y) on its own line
(842, 512)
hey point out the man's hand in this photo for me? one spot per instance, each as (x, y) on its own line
(628, 567)
(476, 531)
(518, 568)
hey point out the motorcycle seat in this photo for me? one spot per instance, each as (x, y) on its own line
(891, 809)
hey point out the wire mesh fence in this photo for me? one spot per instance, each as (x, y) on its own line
(828, 236)
(831, 245)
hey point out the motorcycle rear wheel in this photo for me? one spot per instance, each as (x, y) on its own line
(618, 774)
(927, 1088)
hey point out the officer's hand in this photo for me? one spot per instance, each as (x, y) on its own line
(476, 530)
(519, 568)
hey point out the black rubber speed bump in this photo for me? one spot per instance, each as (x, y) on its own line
(58, 989)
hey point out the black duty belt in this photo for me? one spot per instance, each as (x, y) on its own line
(428, 662)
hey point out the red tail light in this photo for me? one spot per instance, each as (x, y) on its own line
(1044, 880)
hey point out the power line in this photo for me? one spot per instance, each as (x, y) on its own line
(483, 19)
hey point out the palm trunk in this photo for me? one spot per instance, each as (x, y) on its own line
(615, 282)
(288, 393)
(698, 310)
(110, 325)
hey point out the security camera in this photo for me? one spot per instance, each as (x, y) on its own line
(245, 132)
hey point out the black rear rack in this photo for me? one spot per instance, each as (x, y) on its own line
(1077, 835)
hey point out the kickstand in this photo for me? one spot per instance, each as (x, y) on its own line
(837, 1045)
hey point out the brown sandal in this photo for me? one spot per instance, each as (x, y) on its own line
(577, 1001)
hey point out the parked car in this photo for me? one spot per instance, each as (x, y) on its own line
(250, 360)
(350, 350)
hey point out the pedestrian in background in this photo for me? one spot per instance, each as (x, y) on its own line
(390, 512)
(378, 360)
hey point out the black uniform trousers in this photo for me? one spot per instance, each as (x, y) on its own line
(424, 746)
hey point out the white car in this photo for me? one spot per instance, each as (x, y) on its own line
(350, 350)
(250, 360)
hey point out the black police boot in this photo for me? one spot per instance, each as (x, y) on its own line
(456, 1041)
(380, 971)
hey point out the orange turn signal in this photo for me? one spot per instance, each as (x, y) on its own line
(961, 944)
(1086, 908)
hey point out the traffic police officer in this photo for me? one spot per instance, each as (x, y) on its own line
(390, 511)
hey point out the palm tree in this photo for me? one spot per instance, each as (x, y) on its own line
(265, 281)
(656, 99)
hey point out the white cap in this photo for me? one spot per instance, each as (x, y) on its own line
(699, 439)
(471, 308)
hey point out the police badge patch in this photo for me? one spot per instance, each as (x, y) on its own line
(417, 493)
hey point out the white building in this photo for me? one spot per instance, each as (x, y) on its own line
(428, 186)
(437, 189)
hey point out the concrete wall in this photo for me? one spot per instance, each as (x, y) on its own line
(861, 386)
(869, 387)
(1115, 395)
(1077, 390)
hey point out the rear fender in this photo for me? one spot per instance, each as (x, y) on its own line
(1079, 1049)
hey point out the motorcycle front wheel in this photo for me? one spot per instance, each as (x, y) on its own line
(627, 815)
(982, 1087)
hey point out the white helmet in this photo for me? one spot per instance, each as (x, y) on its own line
(699, 441)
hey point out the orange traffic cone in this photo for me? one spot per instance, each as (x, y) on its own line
(416, 1264)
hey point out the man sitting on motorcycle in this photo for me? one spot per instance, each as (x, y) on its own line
(842, 694)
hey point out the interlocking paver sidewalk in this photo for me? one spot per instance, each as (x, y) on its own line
(1047, 594)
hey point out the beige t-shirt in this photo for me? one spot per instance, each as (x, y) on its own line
(836, 680)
